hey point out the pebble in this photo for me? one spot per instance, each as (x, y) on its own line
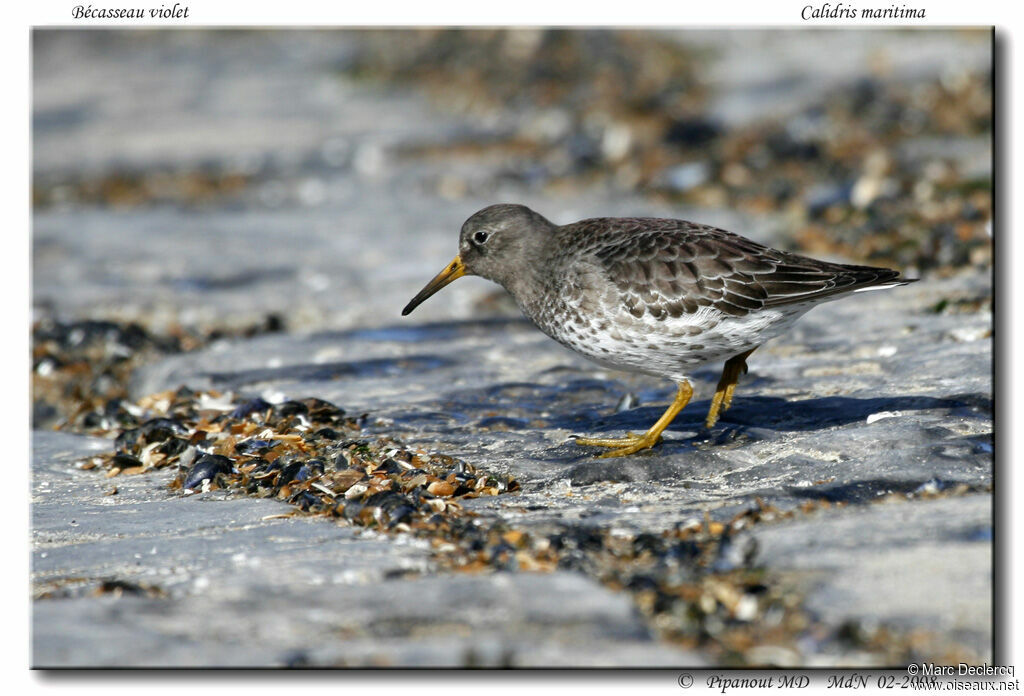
(874, 417)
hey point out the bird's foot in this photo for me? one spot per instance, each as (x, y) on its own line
(719, 404)
(722, 400)
(621, 446)
(634, 443)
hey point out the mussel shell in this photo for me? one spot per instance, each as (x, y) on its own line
(127, 440)
(390, 466)
(311, 468)
(328, 434)
(173, 446)
(290, 471)
(290, 408)
(321, 411)
(207, 467)
(160, 429)
(254, 446)
(305, 500)
(125, 461)
(244, 410)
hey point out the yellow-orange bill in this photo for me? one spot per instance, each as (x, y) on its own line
(452, 271)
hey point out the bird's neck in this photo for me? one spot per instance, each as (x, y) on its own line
(535, 282)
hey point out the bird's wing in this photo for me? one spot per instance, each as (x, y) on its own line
(667, 268)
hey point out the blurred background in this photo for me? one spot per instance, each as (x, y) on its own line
(193, 185)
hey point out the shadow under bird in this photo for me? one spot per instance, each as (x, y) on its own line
(650, 295)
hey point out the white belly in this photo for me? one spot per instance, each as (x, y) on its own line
(671, 347)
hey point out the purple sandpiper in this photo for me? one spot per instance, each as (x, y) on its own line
(650, 295)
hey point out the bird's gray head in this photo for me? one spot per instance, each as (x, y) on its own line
(500, 243)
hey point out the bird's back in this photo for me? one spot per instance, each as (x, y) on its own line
(665, 268)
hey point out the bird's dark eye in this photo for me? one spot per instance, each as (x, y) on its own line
(480, 237)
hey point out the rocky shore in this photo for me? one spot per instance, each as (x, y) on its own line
(227, 247)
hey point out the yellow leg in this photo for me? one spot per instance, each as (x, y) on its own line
(734, 367)
(635, 443)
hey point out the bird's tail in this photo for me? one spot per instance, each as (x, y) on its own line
(886, 284)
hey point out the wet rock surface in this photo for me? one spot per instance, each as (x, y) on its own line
(209, 581)
(834, 515)
(920, 565)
